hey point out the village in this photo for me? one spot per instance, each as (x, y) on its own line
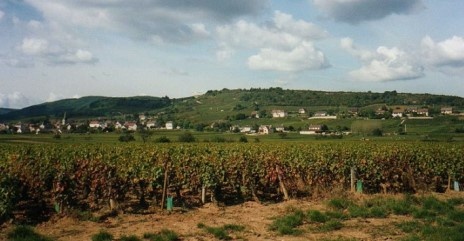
(152, 122)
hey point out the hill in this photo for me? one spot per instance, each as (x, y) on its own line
(5, 110)
(218, 105)
(88, 107)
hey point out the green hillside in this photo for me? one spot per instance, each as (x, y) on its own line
(88, 107)
(234, 106)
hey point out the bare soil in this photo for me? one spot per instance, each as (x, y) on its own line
(254, 216)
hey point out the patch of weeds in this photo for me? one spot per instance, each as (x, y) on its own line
(378, 212)
(331, 225)
(317, 216)
(25, 233)
(358, 211)
(102, 236)
(341, 203)
(130, 238)
(401, 208)
(456, 216)
(163, 235)
(442, 233)
(432, 203)
(287, 225)
(234, 227)
(455, 201)
(413, 237)
(409, 226)
(338, 239)
(336, 215)
(221, 233)
(424, 214)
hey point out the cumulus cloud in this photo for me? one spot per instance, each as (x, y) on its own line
(50, 53)
(384, 64)
(285, 44)
(302, 57)
(14, 100)
(447, 53)
(167, 20)
(356, 11)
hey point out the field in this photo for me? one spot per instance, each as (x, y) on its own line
(123, 187)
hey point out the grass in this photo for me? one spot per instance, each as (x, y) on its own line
(163, 235)
(25, 233)
(221, 233)
(102, 236)
(432, 218)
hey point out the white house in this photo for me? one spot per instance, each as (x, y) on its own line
(151, 124)
(94, 124)
(255, 114)
(301, 111)
(447, 110)
(264, 129)
(423, 111)
(397, 113)
(320, 114)
(245, 129)
(117, 126)
(279, 113)
(131, 126)
(169, 125)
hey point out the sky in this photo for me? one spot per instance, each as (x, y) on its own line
(50, 50)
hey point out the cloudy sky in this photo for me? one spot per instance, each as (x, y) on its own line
(51, 50)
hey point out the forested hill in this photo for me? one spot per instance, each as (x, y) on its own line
(278, 96)
(90, 106)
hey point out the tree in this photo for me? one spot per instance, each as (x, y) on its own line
(186, 137)
(126, 137)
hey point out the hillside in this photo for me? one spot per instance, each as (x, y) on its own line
(5, 110)
(88, 107)
(217, 105)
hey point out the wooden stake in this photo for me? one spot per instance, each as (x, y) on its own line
(281, 183)
(165, 184)
(353, 180)
(203, 194)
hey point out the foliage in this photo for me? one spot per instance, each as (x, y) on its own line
(186, 137)
(25, 233)
(126, 137)
(102, 236)
(162, 139)
(163, 235)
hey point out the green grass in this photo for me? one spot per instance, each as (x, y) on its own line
(317, 216)
(221, 233)
(102, 236)
(331, 225)
(25, 233)
(287, 225)
(163, 235)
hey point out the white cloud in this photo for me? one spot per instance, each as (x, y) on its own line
(384, 64)
(2, 14)
(285, 44)
(447, 53)
(302, 57)
(14, 100)
(140, 19)
(34, 46)
(52, 54)
(355, 11)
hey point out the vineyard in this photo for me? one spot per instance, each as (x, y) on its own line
(92, 177)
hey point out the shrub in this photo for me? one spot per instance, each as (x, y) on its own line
(25, 233)
(162, 139)
(126, 137)
(102, 236)
(186, 137)
(164, 235)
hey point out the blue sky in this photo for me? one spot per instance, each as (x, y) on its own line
(52, 50)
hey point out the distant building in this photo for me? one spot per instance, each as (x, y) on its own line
(278, 113)
(320, 114)
(447, 110)
(423, 112)
(151, 124)
(301, 111)
(94, 124)
(169, 125)
(131, 126)
(264, 129)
